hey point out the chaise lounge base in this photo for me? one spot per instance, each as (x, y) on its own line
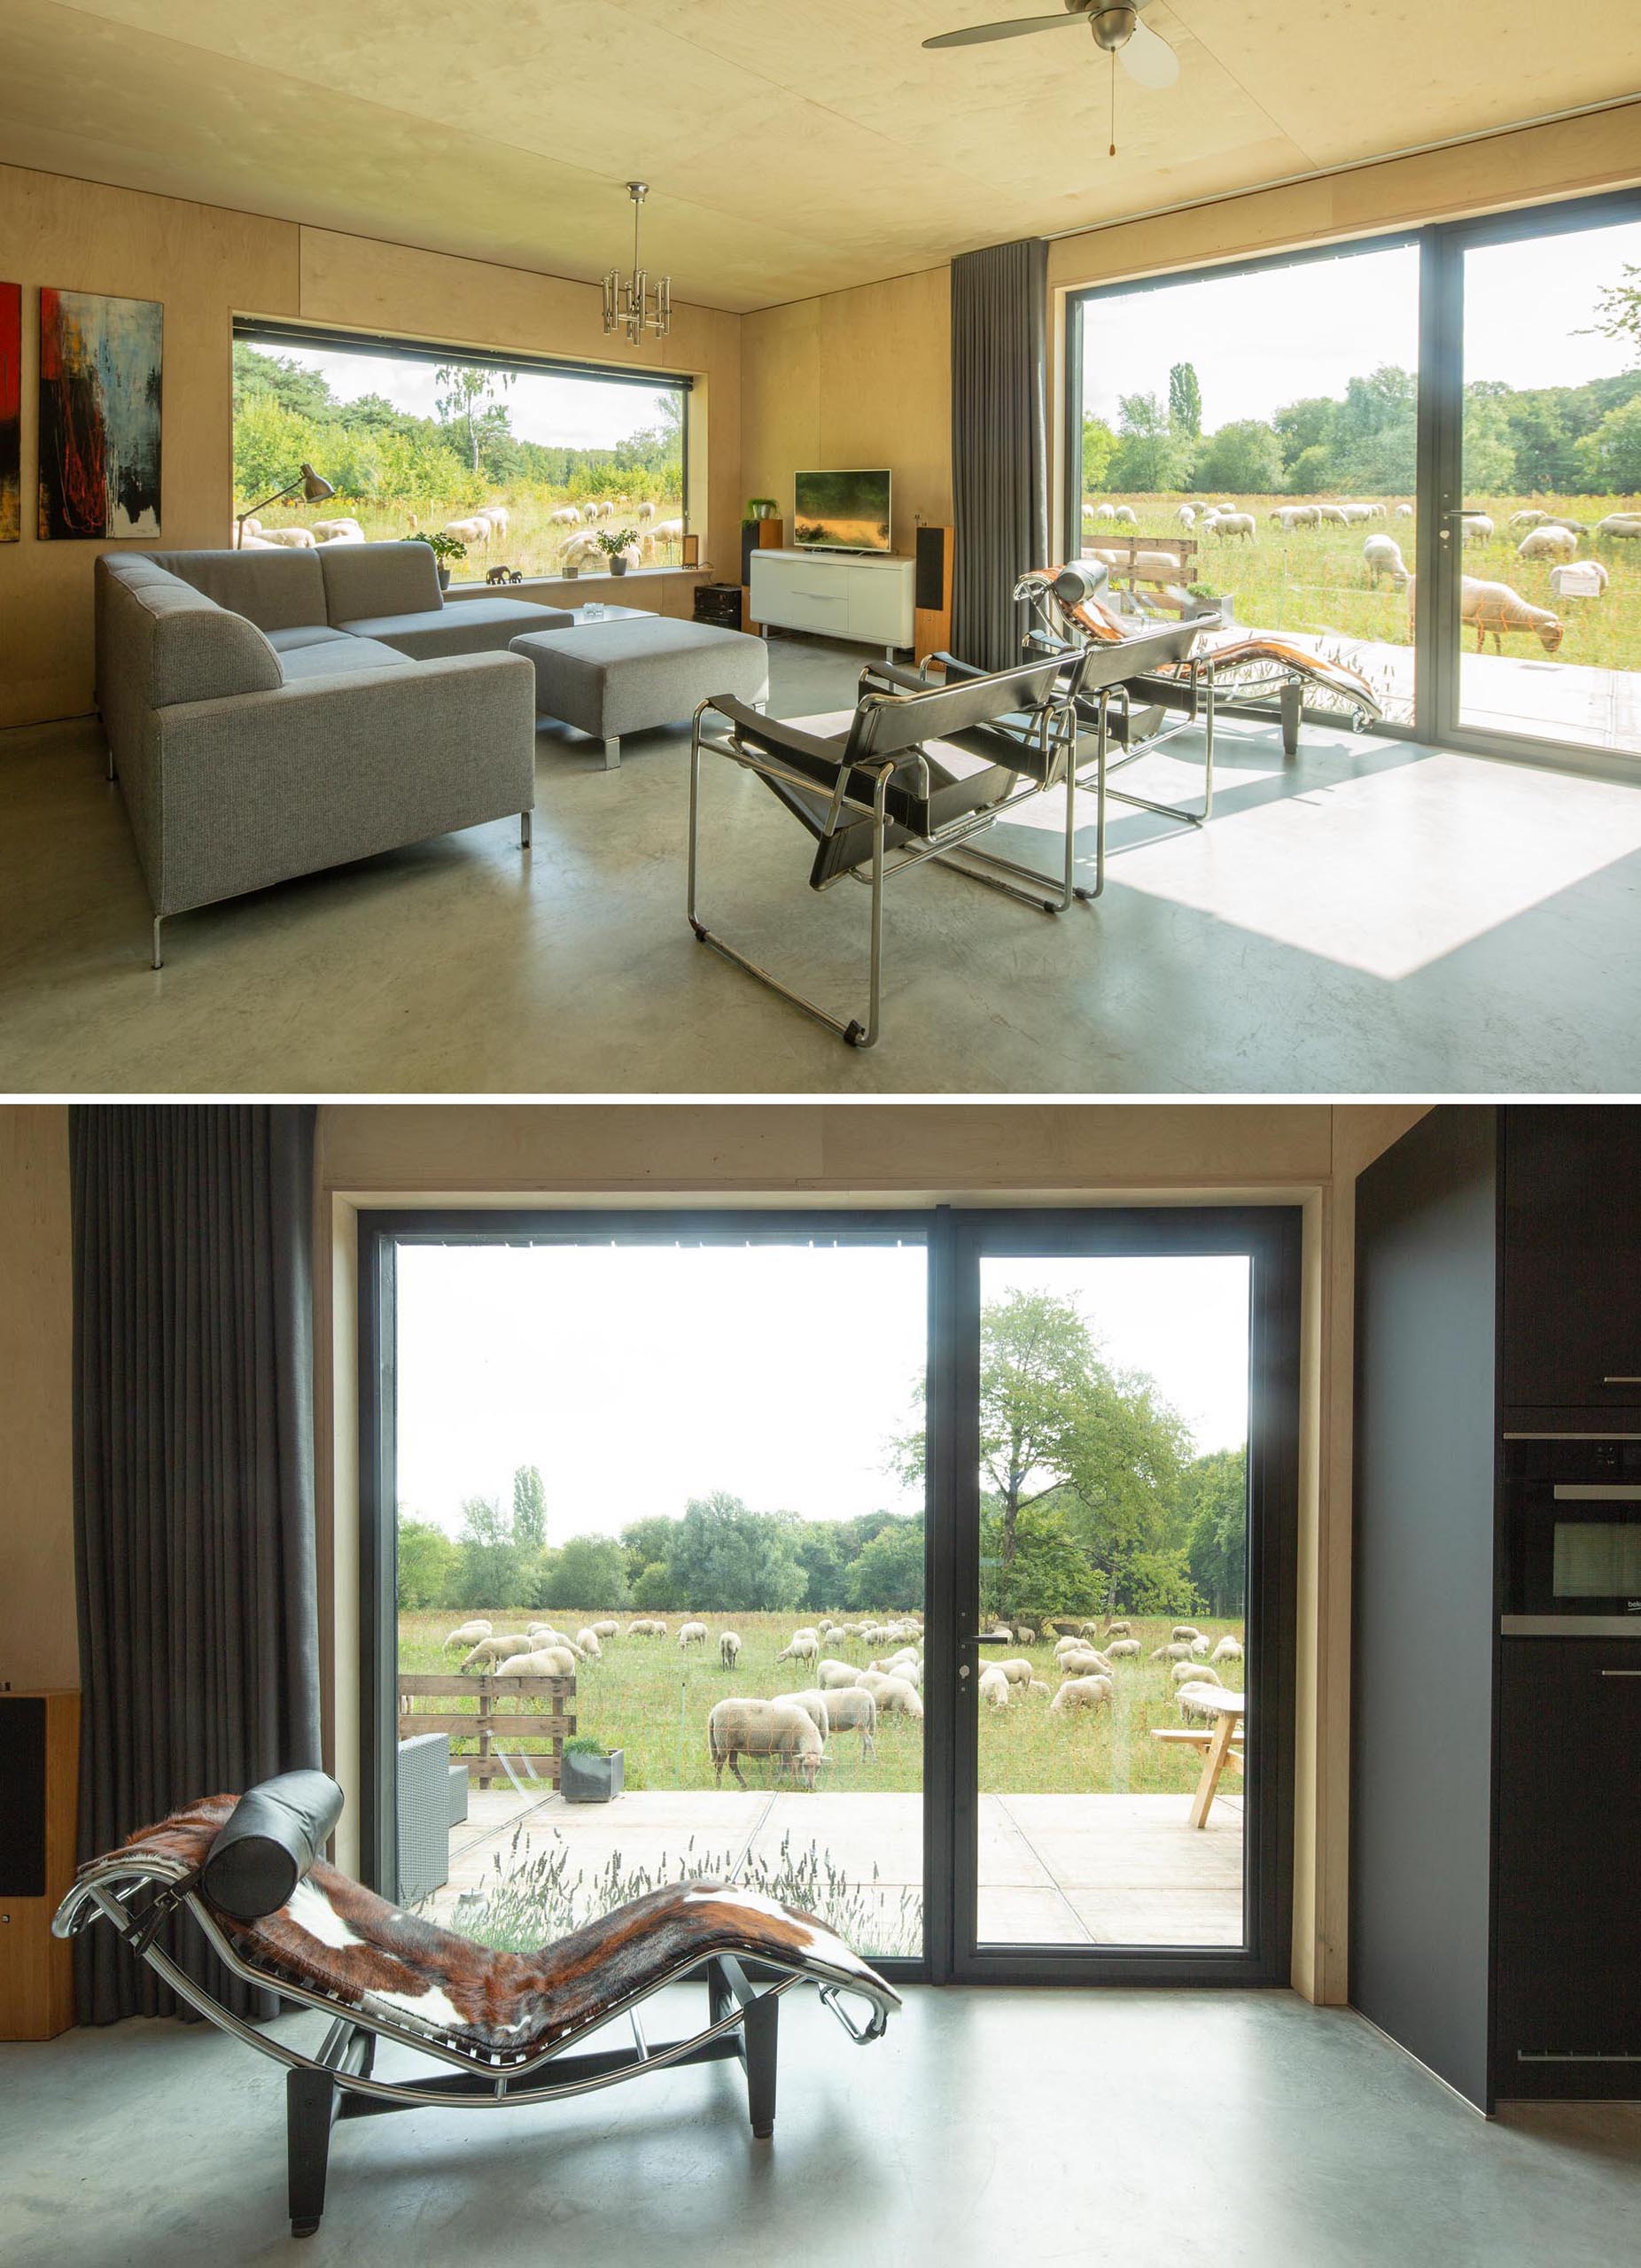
(495, 2025)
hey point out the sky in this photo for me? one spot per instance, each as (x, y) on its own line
(564, 413)
(636, 1376)
(1261, 340)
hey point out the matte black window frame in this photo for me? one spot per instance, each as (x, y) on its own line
(1439, 447)
(272, 337)
(1271, 1239)
(951, 1238)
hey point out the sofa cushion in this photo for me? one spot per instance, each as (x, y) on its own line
(276, 590)
(168, 644)
(335, 657)
(610, 678)
(473, 627)
(374, 579)
(307, 633)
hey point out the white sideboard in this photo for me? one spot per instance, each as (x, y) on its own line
(865, 598)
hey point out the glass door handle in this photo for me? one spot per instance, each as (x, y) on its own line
(1621, 1672)
(1622, 1378)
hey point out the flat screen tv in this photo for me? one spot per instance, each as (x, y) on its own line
(842, 512)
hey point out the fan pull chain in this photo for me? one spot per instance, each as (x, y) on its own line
(1111, 153)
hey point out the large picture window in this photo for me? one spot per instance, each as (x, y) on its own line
(524, 464)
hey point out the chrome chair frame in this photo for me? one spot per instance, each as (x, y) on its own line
(1045, 728)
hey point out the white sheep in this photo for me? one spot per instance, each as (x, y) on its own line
(667, 531)
(589, 1645)
(1289, 517)
(342, 531)
(1199, 1703)
(1185, 1632)
(544, 1661)
(1228, 1649)
(729, 1648)
(608, 1628)
(471, 1632)
(1117, 1629)
(475, 532)
(646, 512)
(1531, 519)
(892, 1695)
(852, 1709)
(813, 1705)
(1125, 515)
(1239, 524)
(1383, 556)
(802, 1646)
(738, 1728)
(906, 1665)
(499, 517)
(1017, 1670)
(830, 1675)
(1475, 527)
(1177, 1650)
(1550, 541)
(1123, 1650)
(1037, 1690)
(995, 1687)
(1624, 524)
(1105, 511)
(1195, 1673)
(565, 517)
(1082, 1693)
(646, 1627)
(1083, 1661)
(693, 1634)
(291, 538)
(490, 1651)
(1186, 517)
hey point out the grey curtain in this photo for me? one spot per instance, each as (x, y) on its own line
(999, 442)
(193, 1481)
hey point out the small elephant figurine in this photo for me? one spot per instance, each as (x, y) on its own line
(498, 575)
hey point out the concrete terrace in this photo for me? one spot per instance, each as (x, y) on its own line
(1054, 1869)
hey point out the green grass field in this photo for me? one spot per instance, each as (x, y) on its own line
(646, 1697)
(530, 545)
(1314, 579)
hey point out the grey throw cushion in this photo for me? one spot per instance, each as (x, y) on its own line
(278, 590)
(376, 579)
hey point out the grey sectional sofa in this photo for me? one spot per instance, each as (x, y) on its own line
(270, 713)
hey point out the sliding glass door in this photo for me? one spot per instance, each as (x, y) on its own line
(744, 1546)
(1420, 456)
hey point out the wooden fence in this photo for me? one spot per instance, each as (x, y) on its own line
(494, 1721)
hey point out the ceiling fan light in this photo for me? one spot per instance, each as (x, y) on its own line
(1113, 27)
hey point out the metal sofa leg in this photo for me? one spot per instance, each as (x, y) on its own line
(159, 956)
(612, 751)
(1292, 697)
(759, 2027)
(525, 830)
(310, 2106)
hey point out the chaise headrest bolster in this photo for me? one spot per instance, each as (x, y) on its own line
(270, 1838)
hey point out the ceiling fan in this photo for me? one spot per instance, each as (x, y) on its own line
(1144, 54)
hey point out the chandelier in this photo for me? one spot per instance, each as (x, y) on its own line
(631, 303)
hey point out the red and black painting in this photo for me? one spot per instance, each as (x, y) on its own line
(10, 412)
(99, 415)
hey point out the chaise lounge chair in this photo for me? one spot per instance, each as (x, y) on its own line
(497, 2024)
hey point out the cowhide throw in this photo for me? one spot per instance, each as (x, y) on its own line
(336, 1936)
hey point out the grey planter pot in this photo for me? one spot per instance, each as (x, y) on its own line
(444, 578)
(592, 1779)
(618, 564)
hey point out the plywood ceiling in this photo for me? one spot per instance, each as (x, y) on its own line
(791, 149)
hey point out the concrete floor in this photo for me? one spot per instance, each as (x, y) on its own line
(1053, 1869)
(987, 2126)
(1373, 917)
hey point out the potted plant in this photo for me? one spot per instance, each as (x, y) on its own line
(444, 548)
(590, 1773)
(1204, 601)
(615, 545)
(761, 508)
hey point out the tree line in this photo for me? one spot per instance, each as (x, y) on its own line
(1092, 1500)
(368, 449)
(1582, 441)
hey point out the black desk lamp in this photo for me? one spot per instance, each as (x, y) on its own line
(315, 487)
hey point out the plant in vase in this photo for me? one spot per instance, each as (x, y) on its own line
(619, 546)
(589, 1772)
(445, 549)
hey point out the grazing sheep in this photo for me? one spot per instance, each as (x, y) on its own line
(814, 1706)
(1001, 1630)
(646, 512)
(1494, 608)
(1125, 515)
(802, 1646)
(668, 532)
(693, 1634)
(1383, 556)
(1198, 1705)
(1552, 541)
(901, 1665)
(1177, 1650)
(1580, 578)
(995, 1687)
(1527, 519)
(853, 1710)
(565, 517)
(490, 1651)
(1228, 1649)
(543, 1661)
(499, 517)
(1355, 515)
(775, 1729)
(1195, 1673)
(292, 538)
(1089, 1628)
(646, 1627)
(1088, 511)
(1475, 527)
(1025, 1635)
(1105, 511)
(608, 1628)
(1123, 1650)
(342, 531)
(729, 1648)
(1185, 516)
(1017, 1670)
(1082, 1693)
(892, 1695)
(475, 532)
(1187, 1631)
(1404, 511)
(1333, 515)
(1624, 524)
(1037, 1690)
(829, 1674)
(588, 1643)
(471, 1632)
(1119, 1630)
(1083, 1661)
(1289, 517)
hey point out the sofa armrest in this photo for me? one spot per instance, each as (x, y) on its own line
(255, 789)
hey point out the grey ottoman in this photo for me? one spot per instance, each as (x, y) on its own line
(610, 678)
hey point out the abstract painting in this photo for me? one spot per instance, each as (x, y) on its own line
(99, 415)
(11, 413)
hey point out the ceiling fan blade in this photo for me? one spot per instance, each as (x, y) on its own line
(977, 34)
(1148, 58)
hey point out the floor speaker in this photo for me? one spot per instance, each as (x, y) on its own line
(756, 535)
(932, 591)
(39, 1787)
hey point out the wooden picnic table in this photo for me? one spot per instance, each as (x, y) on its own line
(1216, 1743)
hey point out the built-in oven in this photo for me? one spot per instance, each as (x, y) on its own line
(1572, 1532)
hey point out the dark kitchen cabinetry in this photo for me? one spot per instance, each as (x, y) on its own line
(1570, 1303)
(1495, 1926)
